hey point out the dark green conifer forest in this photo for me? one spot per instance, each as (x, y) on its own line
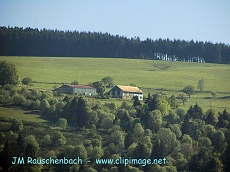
(34, 42)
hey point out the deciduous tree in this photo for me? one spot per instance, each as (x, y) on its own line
(27, 81)
(8, 74)
(200, 85)
(108, 81)
(100, 87)
(189, 90)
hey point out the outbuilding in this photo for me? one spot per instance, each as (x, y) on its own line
(76, 89)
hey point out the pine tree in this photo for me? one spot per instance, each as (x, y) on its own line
(81, 115)
(185, 125)
(136, 101)
(6, 155)
(128, 140)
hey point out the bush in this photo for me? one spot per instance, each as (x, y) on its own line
(4, 96)
(75, 83)
(27, 81)
(18, 100)
(35, 105)
(62, 122)
(59, 139)
(46, 140)
(32, 141)
(17, 125)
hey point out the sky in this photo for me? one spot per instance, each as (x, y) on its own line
(200, 20)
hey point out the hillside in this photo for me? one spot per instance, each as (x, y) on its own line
(150, 75)
(37, 123)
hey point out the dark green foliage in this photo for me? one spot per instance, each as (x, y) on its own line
(227, 159)
(20, 143)
(185, 125)
(108, 81)
(183, 97)
(58, 139)
(196, 128)
(62, 167)
(17, 125)
(30, 151)
(159, 150)
(8, 74)
(18, 100)
(44, 108)
(62, 122)
(4, 96)
(125, 122)
(111, 106)
(173, 102)
(151, 102)
(100, 87)
(189, 90)
(223, 119)
(136, 101)
(218, 141)
(141, 151)
(128, 140)
(6, 155)
(75, 82)
(80, 116)
(153, 121)
(27, 81)
(17, 42)
(211, 117)
(191, 141)
(195, 112)
(172, 117)
(158, 101)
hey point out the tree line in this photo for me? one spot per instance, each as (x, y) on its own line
(34, 42)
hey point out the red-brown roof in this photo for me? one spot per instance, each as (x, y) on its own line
(79, 86)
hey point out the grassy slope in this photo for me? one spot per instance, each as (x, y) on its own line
(147, 74)
(16, 113)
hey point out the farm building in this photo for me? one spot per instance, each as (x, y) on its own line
(126, 92)
(76, 89)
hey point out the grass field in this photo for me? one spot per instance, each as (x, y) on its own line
(149, 75)
(17, 113)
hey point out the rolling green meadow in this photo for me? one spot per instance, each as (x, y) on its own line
(93, 128)
(150, 75)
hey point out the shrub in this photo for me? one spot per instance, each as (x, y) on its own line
(18, 100)
(17, 125)
(62, 122)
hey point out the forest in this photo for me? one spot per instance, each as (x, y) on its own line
(158, 127)
(79, 126)
(34, 42)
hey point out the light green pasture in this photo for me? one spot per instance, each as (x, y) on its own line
(149, 75)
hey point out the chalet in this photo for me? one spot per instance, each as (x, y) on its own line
(76, 89)
(126, 92)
